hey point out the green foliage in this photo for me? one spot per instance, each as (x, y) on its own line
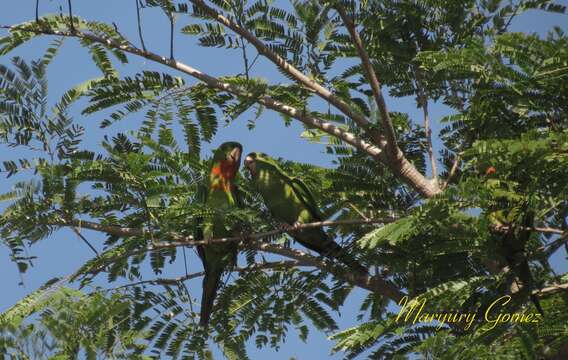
(68, 323)
(458, 251)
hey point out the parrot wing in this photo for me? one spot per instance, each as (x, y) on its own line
(305, 195)
(316, 239)
(298, 186)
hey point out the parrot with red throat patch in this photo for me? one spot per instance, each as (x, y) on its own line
(221, 195)
(290, 201)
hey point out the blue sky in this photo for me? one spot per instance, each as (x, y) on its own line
(63, 252)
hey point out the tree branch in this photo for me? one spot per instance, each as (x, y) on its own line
(107, 229)
(453, 171)
(139, 22)
(174, 281)
(374, 284)
(372, 78)
(215, 83)
(398, 163)
(189, 241)
(424, 104)
(172, 29)
(550, 290)
(371, 283)
(395, 159)
(551, 248)
(265, 51)
(544, 230)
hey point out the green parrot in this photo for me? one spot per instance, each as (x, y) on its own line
(221, 194)
(290, 201)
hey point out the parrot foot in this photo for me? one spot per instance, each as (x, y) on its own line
(297, 225)
(290, 228)
(244, 237)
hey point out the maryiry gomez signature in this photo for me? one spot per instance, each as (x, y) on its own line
(412, 311)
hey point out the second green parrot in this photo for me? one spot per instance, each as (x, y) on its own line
(221, 195)
(290, 201)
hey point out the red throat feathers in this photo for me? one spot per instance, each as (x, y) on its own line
(222, 174)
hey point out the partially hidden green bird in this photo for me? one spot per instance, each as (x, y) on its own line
(221, 195)
(290, 201)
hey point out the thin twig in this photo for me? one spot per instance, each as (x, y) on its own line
(245, 58)
(185, 262)
(453, 170)
(551, 248)
(78, 233)
(515, 13)
(177, 280)
(358, 211)
(238, 16)
(107, 229)
(189, 241)
(429, 139)
(545, 230)
(120, 34)
(71, 16)
(424, 104)
(171, 36)
(139, 21)
(37, 11)
(253, 62)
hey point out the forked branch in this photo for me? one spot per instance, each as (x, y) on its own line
(299, 76)
(395, 160)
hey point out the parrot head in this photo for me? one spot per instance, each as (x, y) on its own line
(257, 163)
(226, 162)
(250, 163)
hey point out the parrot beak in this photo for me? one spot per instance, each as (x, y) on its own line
(235, 155)
(250, 162)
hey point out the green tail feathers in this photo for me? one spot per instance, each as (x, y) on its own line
(211, 282)
(318, 241)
